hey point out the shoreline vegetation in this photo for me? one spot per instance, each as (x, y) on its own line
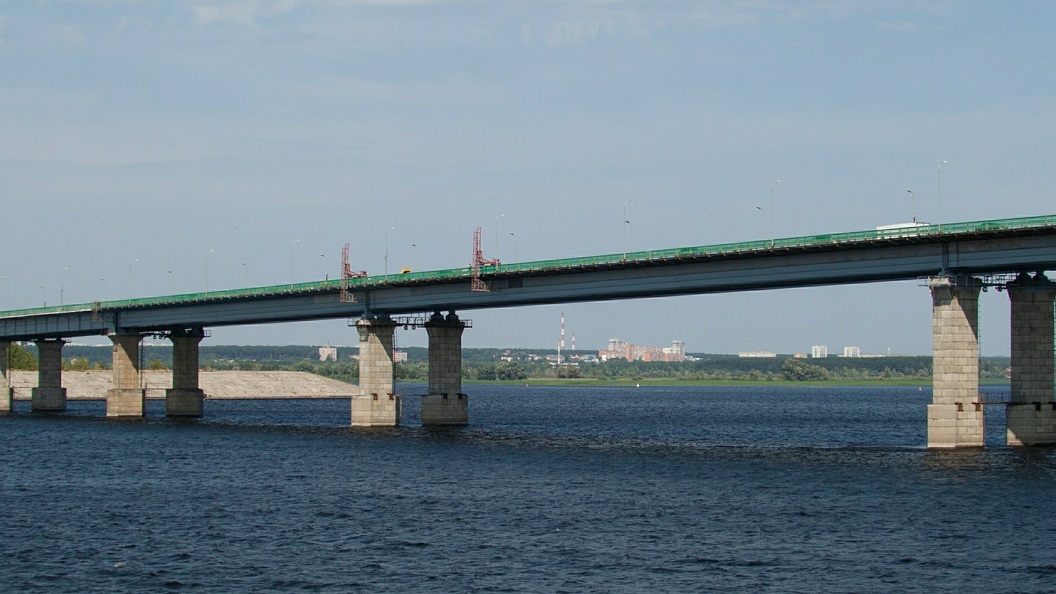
(531, 366)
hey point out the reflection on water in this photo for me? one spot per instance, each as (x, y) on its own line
(549, 489)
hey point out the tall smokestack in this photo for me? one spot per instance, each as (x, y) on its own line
(561, 345)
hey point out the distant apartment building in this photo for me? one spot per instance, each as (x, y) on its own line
(819, 351)
(397, 357)
(328, 353)
(757, 354)
(852, 351)
(629, 352)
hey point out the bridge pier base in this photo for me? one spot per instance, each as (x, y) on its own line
(377, 405)
(1031, 413)
(49, 395)
(955, 417)
(445, 404)
(5, 380)
(127, 398)
(185, 398)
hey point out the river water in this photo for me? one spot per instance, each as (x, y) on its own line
(548, 490)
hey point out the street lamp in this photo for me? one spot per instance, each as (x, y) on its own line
(130, 279)
(45, 291)
(763, 214)
(417, 258)
(632, 237)
(326, 267)
(940, 194)
(173, 277)
(773, 236)
(292, 246)
(625, 228)
(246, 268)
(106, 290)
(207, 270)
(515, 259)
(62, 287)
(914, 205)
(387, 251)
(497, 234)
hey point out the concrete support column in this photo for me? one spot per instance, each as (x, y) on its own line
(49, 395)
(126, 398)
(955, 417)
(377, 404)
(1031, 414)
(445, 404)
(5, 380)
(185, 399)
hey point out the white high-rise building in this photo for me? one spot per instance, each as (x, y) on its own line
(852, 351)
(819, 351)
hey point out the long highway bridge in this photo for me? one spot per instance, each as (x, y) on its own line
(958, 259)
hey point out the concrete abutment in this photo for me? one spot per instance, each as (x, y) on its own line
(445, 404)
(127, 398)
(5, 380)
(955, 417)
(49, 395)
(185, 398)
(1031, 412)
(377, 405)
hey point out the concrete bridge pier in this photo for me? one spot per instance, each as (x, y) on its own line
(49, 395)
(377, 405)
(126, 398)
(445, 404)
(5, 380)
(185, 398)
(955, 417)
(1031, 414)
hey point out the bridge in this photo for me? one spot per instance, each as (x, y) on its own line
(958, 260)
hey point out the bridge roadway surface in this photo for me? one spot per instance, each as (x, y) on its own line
(995, 246)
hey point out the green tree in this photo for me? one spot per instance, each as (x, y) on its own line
(157, 365)
(19, 358)
(486, 372)
(77, 364)
(797, 370)
(510, 370)
(568, 371)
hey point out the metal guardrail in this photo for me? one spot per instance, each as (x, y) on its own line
(649, 256)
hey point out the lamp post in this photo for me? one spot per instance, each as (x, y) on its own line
(106, 290)
(173, 277)
(625, 223)
(45, 292)
(207, 270)
(939, 184)
(515, 258)
(292, 249)
(629, 224)
(773, 236)
(246, 268)
(387, 251)
(130, 279)
(326, 267)
(497, 234)
(762, 213)
(417, 258)
(62, 287)
(914, 205)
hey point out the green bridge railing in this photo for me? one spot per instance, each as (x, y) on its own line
(561, 264)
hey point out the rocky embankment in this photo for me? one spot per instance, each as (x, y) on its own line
(227, 385)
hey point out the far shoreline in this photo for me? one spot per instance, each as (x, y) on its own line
(723, 383)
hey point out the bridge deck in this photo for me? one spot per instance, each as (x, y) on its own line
(858, 239)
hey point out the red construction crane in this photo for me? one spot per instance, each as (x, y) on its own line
(475, 283)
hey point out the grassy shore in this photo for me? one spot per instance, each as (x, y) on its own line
(592, 382)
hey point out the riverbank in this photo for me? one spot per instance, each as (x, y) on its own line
(589, 382)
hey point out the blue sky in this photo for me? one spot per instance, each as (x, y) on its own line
(140, 135)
